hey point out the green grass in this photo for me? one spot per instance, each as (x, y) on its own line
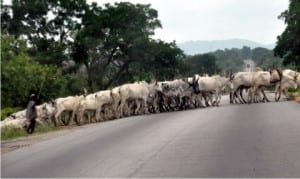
(292, 90)
(292, 93)
(8, 133)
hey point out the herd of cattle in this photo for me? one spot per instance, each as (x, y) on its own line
(155, 97)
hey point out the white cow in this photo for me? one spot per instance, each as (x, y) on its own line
(290, 79)
(293, 74)
(262, 80)
(103, 98)
(15, 123)
(88, 103)
(115, 94)
(256, 82)
(241, 80)
(213, 84)
(18, 119)
(137, 92)
(69, 103)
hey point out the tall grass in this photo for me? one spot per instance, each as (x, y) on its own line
(13, 133)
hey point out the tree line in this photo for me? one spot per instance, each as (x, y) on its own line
(231, 60)
(56, 48)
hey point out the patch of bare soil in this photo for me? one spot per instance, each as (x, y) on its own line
(13, 144)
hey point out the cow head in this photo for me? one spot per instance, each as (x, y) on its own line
(297, 74)
(275, 75)
(229, 75)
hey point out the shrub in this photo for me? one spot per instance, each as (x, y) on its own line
(293, 90)
(293, 93)
(8, 111)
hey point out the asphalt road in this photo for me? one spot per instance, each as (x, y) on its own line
(257, 140)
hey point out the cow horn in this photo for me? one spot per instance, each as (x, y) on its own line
(85, 92)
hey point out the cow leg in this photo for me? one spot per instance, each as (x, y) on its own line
(205, 99)
(77, 121)
(58, 113)
(285, 92)
(277, 92)
(252, 93)
(98, 113)
(265, 96)
(64, 120)
(122, 107)
(116, 110)
(146, 106)
(54, 120)
(199, 101)
(242, 97)
(219, 99)
(231, 97)
(250, 96)
(235, 97)
(81, 115)
(210, 97)
(138, 107)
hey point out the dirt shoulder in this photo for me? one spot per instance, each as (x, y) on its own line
(14, 144)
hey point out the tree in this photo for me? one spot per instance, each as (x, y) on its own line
(246, 52)
(201, 64)
(265, 59)
(229, 59)
(107, 43)
(157, 59)
(106, 46)
(5, 18)
(288, 44)
(48, 26)
(21, 75)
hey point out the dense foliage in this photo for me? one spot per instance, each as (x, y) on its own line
(57, 48)
(288, 43)
(232, 59)
(202, 64)
(22, 75)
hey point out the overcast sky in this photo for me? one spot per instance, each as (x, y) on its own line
(185, 20)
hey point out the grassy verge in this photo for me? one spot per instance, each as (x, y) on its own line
(13, 133)
(294, 94)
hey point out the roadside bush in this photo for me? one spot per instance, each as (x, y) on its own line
(8, 111)
(293, 93)
(293, 90)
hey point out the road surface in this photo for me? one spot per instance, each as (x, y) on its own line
(257, 140)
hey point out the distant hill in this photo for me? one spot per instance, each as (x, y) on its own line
(202, 46)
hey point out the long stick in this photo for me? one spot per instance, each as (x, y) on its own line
(40, 90)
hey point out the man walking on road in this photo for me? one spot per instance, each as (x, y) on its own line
(31, 113)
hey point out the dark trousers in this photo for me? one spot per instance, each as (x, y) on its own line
(31, 126)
